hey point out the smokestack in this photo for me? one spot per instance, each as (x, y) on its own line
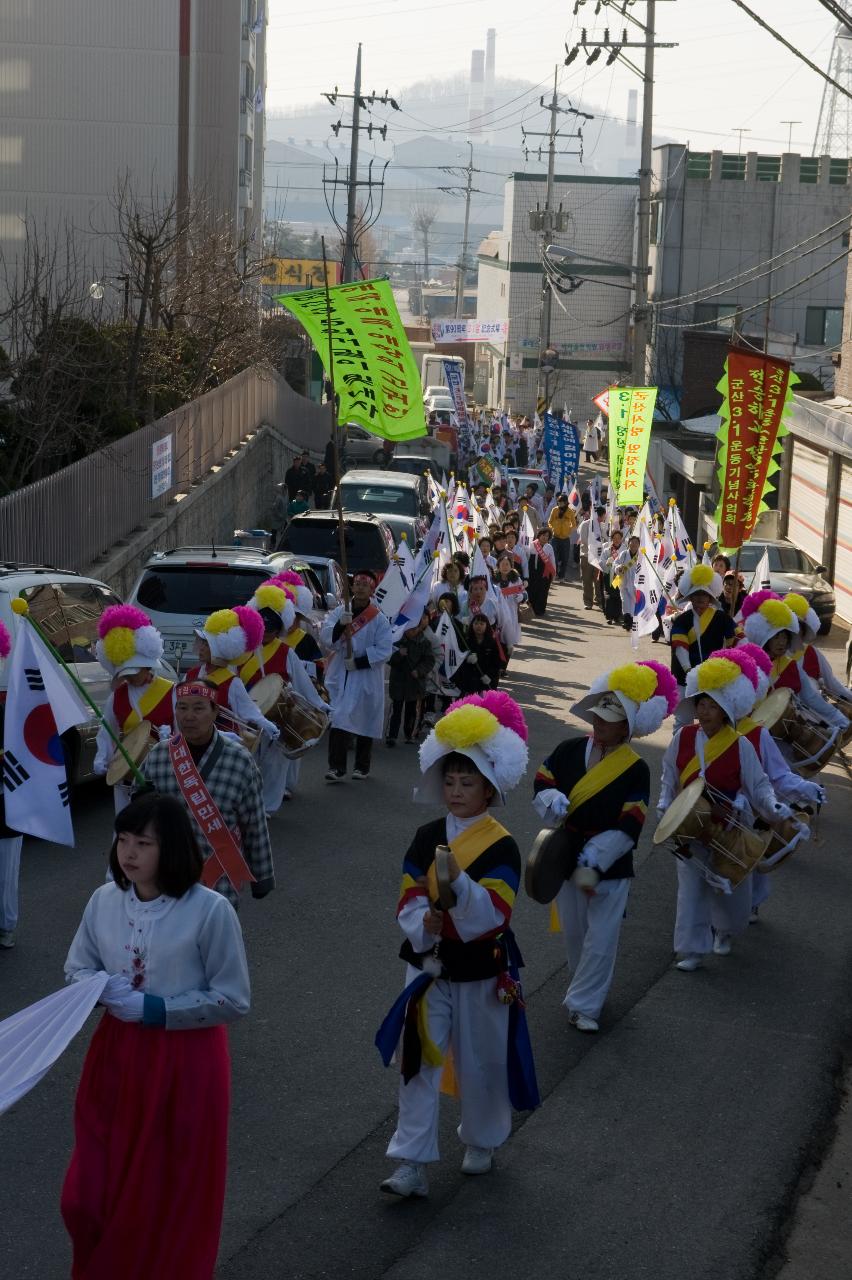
(632, 103)
(477, 89)
(490, 63)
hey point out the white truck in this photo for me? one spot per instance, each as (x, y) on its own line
(432, 371)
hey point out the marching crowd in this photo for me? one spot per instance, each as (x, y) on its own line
(160, 947)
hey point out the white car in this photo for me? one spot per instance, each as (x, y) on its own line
(67, 608)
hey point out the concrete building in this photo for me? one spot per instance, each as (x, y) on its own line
(716, 216)
(93, 90)
(590, 327)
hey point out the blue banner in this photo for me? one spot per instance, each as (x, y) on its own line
(561, 444)
(455, 384)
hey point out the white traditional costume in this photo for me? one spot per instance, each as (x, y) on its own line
(356, 684)
(462, 993)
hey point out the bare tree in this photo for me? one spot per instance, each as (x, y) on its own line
(423, 217)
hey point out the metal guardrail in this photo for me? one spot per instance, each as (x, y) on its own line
(74, 517)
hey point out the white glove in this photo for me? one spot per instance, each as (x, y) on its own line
(349, 663)
(471, 657)
(551, 803)
(116, 988)
(164, 732)
(783, 810)
(822, 794)
(128, 1008)
(345, 617)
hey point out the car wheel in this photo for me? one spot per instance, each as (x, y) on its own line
(825, 626)
(379, 457)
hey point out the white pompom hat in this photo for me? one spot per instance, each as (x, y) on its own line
(645, 692)
(490, 730)
(128, 642)
(724, 680)
(701, 577)
(764, 615)
(809, 623)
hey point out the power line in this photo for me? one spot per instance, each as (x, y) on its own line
(755, 306)
(777, 36)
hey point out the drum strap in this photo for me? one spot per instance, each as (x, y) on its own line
(227, 858)
(705, 755)
(468, 846)
(601, 775)
(257, 661)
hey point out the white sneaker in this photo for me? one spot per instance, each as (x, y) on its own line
(408, 1179)
(754, 916)
(7, 939)
(335, 775)
(690, 962)
(722, 944)
(360, 774)
(477, 1160)
(581, 1022)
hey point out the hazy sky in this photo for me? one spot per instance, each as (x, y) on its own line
(726, 73)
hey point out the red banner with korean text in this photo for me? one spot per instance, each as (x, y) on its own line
(756, 390)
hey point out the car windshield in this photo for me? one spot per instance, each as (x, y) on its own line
(365, 547)
(197, 590)
(783, 559)
(68, 614)
(380, 499)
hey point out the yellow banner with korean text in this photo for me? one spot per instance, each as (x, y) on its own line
(303, 273)
(375, 377)
(756, 390)
(631, 416)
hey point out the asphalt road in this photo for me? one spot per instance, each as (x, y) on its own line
(669, 1146)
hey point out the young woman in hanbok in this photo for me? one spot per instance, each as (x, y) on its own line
(144, 1191)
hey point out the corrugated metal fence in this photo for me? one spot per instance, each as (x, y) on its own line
(72, 518)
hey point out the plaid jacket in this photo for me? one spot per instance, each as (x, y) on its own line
(235, 785)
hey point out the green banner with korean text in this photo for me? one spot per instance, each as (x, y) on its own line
(756, 390)
(618, 410)
(634, 411)
(375, 376)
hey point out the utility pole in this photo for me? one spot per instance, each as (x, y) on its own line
(359, 102)
(549, 221)
(467, 191)
(643, 208)
(349, 246)
(616, 46)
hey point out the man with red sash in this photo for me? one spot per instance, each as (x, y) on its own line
(700, 629)
(598, 788)
(220, 785)
(361, 642)
(709, 912)
(129, 647)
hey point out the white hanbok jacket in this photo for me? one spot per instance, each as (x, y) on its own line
(358, 697)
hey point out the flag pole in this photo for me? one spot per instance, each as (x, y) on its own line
(335, 434)
(99, 715)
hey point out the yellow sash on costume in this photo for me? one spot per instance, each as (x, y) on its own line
(746, 725)
(601, 775)
(468, 846)
(218, 675)
(154, 693)
(780, 665)
(716, 746)
(294, 637)
(253, 664)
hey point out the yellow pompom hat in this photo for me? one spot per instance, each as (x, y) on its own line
(642, 693)
(809, 623)
(128, 641)
(271, 596)
(724, 681)
(764, 615)
(490, 730)
(701, 577)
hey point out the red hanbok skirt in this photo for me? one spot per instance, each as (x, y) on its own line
(144, 1192)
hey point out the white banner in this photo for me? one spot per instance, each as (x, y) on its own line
(161, 466)
(469, 330)
(40, 705)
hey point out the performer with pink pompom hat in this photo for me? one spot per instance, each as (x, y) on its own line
(130, 648)
(598, 789)
(225, 641)
(462, 1003)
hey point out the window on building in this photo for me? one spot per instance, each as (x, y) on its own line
(768, 168)
(249, 79)
(248, 154)
(838, 173)
(823, 326)
(809, 169)
(733, 167)
(715, 315)
(656, 222)
(502, 291)
(698, 164)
